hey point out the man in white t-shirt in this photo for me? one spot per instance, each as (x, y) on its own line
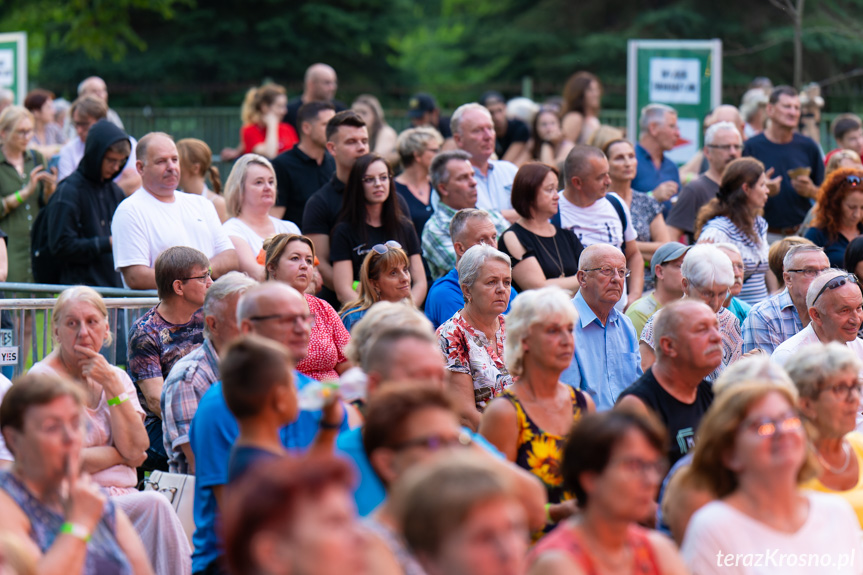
(157, 217)
(598, 217)
(835, 305)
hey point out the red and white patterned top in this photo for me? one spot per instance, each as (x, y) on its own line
(326, 343)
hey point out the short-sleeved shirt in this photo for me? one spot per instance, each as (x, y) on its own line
(467, 350)
(642, 310)
(598, 223)
(214, 430)
(298, 177)
(327, 342)
(755, 262)
(556, 255)
(240, 229)
(155, 345)
(770, 323)
(788, 208)
(186, 384)
(648, 176)
(834, 248)
(516, 131)
(694, 195)
(144, 227)
(321, 213)
(494, 189)
(807, 336)
(445, 298)
(347, 244)
(253, 134)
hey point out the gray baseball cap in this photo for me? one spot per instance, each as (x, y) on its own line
(667, 253)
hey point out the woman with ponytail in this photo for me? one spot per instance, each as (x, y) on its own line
(196, 165)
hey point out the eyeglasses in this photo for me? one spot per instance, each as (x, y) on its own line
(844, 391)
(24, 133)
(766, 427)
(610, 272)
(202, 278)
(288, 320)
(643, 467)
(712, 295)
(369, 180)
(727, 147)
(808, 272)
(384, 248)
(853, 180)
(836, 282)
(436, 442)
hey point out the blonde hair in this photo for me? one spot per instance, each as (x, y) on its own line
(84, 294)
(838, 158)
(374, 266)
(193, 151)
(11, 117)
(530, 308)
(235, 186)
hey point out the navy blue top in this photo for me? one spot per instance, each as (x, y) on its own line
(835, 249)
(788, 208)
(420, 212)
(647, 177)
(243, 458)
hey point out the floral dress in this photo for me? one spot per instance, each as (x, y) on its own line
(467, 350)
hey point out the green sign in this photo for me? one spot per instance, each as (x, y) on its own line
(13, 64)
(684, 74)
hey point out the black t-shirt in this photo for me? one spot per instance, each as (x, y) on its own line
(691, 198)
(788, 208)
(294, 107)
(299, 177)
(346, 244)
(516, 131)
(545, 250)
(419, 212)
(680, 419)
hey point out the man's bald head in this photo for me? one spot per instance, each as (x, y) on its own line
(320, 83)
(278, 312)
(264, 299)
(594, 256)
(94, 86)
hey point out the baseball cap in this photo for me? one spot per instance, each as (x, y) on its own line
(667, 253)
(420, 104)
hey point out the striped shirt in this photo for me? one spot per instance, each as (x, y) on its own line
(721, 229)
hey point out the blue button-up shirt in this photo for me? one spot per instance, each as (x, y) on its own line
(770, 323)
(648, 177)
(607, 359)
(494, 189)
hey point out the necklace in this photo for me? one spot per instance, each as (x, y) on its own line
(548, 253)
(846, 450)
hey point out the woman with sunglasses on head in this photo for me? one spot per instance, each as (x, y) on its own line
(838, 214)
(827, 379)
(752, 452)
(371, 216)
(384, 276)
(290, 258)
(734, 216)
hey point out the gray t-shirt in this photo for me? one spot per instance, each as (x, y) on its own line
(692, 197)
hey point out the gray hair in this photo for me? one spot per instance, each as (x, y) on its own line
(668, 320)
(792, 253)
(710, 136)
(459, 221)
(229, 284)
(380, 352)
(382, 317)
(654, 114)
(415, 141)
(753, 368)
(578, 160)
(144, 143)
(235, 187)
(455, 121)
(438, 170)
(705, 265)
(530, 308)
(472, 262)
(83, 83)
(728, 246)
(814, 365)
(819, 282)
(247, 306)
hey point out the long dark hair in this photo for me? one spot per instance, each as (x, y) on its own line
(354, 202)
(731, 199)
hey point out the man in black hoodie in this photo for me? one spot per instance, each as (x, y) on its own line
(81, 210)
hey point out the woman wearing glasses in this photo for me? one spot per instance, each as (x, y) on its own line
(734, 216)
(371, 216)
(530, 422)
(752, 451)
(290, 258)
(828, 380)
(250, 192)
(472, 341)
(838, 214)
(613, 463)
(384, 276)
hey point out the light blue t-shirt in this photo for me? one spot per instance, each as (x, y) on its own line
(211, 436)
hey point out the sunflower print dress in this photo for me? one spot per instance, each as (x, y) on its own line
(540, 452)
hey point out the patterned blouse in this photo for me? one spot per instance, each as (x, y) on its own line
(732, 339)
(755, 263)
(644, 210)
(327, 342)
(467, 350)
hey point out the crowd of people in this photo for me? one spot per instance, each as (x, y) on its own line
(511, 341)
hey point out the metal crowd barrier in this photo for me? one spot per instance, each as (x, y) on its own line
(24, 306)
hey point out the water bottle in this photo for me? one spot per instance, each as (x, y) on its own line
(313, 396)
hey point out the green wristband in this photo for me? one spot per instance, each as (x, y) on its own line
(76, 530)
(119, 399)
(18, 197)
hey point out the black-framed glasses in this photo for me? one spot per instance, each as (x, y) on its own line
(836, 282)
(383, 178)
(300, 319)
(610, 272)
(727, 147)
(202, 278)
(809, 273)
(385, 247)
(854, 181)
(436, 442)
(766, 427)
(844, 391)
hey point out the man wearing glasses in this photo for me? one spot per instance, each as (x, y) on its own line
(722, 145)
(606, 359)
(835, 305)
(782, 316)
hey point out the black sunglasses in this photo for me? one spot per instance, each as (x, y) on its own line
(836, 282)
